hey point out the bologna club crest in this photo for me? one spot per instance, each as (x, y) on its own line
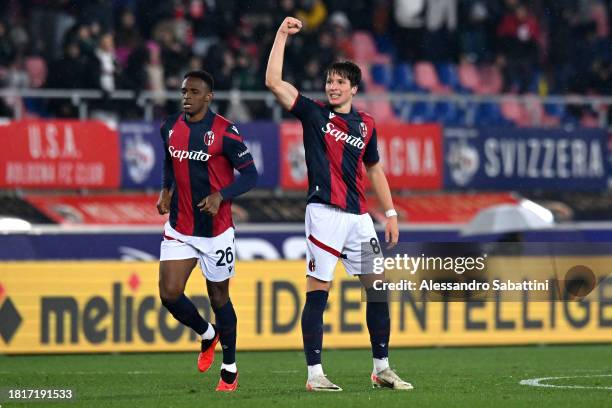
(363, 129)
(311, 265)
(209, 138)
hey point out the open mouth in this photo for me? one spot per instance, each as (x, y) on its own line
(186, 106)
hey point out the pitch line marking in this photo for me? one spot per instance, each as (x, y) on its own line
(537, 382)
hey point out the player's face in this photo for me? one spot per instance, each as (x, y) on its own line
(196, 96)
(339, 90)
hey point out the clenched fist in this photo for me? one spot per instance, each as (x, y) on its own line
(290, 26)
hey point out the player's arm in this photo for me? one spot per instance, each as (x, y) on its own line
(381, 188)
(239, 156)
(383, 193)
(285, 93)
(163, 202)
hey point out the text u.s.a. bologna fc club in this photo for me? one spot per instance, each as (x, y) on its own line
(335, 145)
(201, 158)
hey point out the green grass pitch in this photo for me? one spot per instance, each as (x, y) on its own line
(446, 377)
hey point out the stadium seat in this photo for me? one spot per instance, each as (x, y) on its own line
(366, 76)
(450, 77)
(489, 114)
(589, 120)
(449, 113)
(382, 74)
(491, 81)
(403, 78)
(364, 46)
(426, 77)
(422, 112)
(538, 115)
(381, 110)
(514, 111)
(555, 109)
(469, 77)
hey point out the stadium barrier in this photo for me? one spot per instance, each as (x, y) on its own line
(69, 154)
(75, 307)
(407, 101)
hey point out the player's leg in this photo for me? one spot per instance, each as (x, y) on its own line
(218, 266)
(317, 292)
(325, 235)
(225, 317)
(177, 262)
(361, 248)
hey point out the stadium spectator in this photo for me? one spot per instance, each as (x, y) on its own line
(174, 54)
(105, 68)
(127, 37)
(409, 28)
(559, 41)
(341, 29)
(477, 19)
(519, 33)
(312, 12)
(67, 72)
(7, 47)
(440, 24)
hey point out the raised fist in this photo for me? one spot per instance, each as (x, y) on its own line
(290, 26)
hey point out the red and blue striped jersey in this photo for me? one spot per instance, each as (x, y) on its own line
(336, 146)
(200, 159)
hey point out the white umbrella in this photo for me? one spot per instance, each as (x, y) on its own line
(503, 218)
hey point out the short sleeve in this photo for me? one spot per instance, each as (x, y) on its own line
(234, 148)
(303, 107)
(370, 156)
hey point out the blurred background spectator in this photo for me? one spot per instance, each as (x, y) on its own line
(476, 46)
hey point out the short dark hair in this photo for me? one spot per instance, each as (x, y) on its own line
(346, 69)
(203, 75)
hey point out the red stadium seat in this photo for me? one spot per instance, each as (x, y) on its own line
(364, 46)
(491, 81)
(426, 77)
(514, 111)
(469, 76)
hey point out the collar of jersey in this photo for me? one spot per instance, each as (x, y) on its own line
(206, 120)
(351, 113)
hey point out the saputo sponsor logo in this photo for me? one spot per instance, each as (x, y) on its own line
(116, 318)
(339, 135)
(190, 155)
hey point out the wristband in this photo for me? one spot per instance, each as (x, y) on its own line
(391, 213)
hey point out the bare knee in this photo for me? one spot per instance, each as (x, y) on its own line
(218, 295)
(173, 277)
(170, 292)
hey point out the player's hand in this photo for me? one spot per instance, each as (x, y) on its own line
(391, 232)
(290, 26)
(163, 202)
(210, 204)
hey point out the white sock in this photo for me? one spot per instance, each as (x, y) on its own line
(209, 333)
(380, 364)
(229, 367)
(314, 370)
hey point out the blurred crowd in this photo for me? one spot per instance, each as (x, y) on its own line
(150, 44)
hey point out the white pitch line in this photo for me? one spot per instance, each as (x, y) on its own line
(537, 382)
